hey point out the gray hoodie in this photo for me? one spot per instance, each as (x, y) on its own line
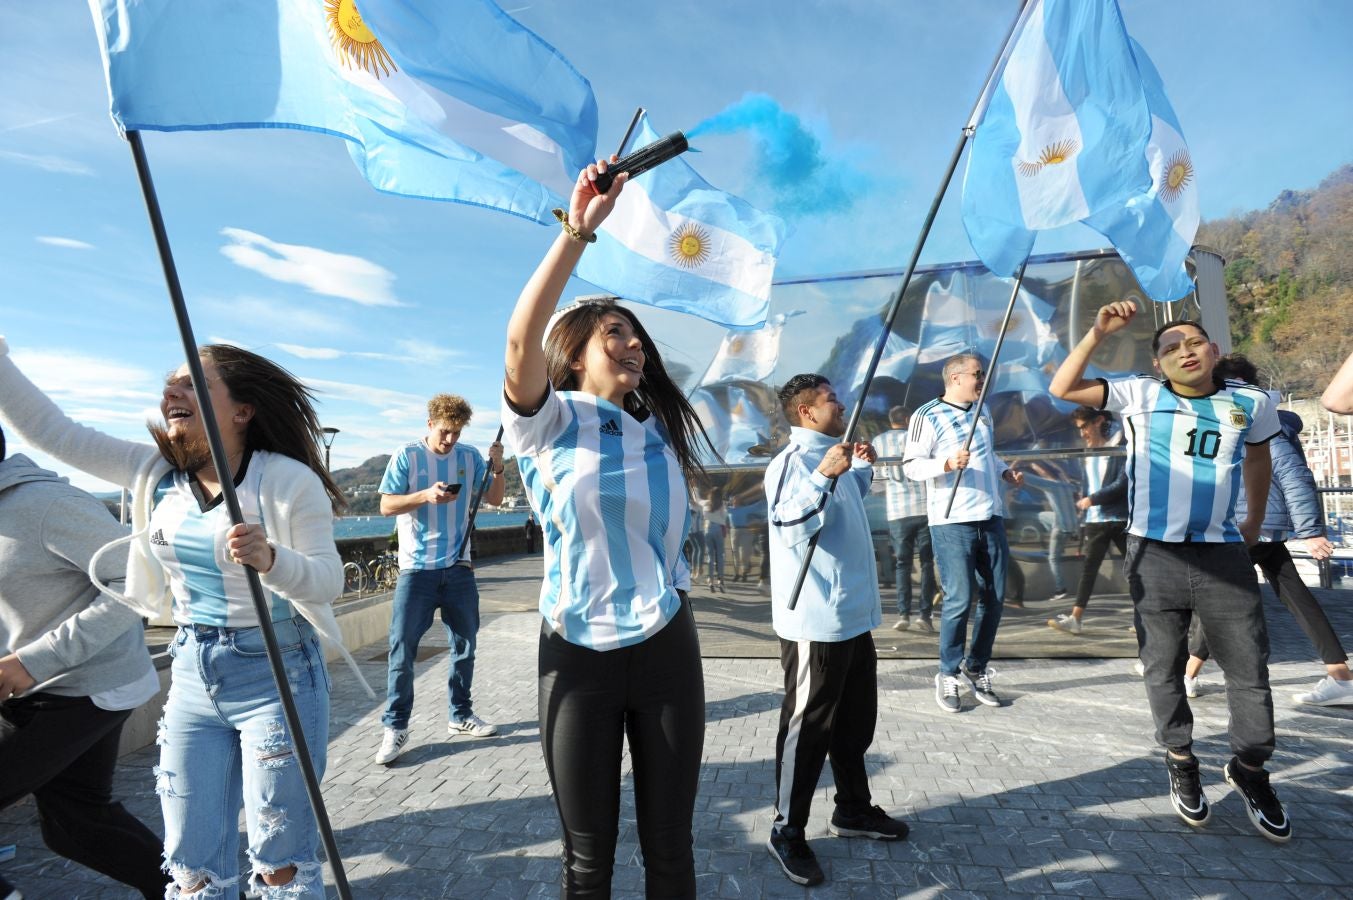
(72, 639)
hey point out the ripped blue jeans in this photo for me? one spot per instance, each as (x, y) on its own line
(224, 744)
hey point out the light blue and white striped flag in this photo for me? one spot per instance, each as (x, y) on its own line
(676, 242)
(439, 99)
(1064, 136)
(1154, 231)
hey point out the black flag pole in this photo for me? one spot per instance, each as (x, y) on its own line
(991, 377)
(224, 475)
(965, 135)
(483, 487)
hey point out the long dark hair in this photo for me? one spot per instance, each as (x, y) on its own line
(657, 392)
(284, 418)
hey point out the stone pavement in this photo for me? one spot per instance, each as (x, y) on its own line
(1060, 792)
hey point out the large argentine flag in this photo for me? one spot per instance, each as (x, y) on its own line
(440, 99)
(1153, 231)
(1064, 136)
(676, 242)
(747, 354)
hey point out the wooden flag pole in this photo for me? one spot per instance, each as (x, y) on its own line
(300, 748)
(964, 136)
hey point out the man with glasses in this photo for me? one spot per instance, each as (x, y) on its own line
(969, 540)
(1191, 438)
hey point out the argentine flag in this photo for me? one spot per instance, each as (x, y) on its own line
(439, 99)
(1153, 231)
(1064, 136)
(676, 242)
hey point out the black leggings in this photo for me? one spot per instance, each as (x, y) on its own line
(652, 692)
(1274, 559)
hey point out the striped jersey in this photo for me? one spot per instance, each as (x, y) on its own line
(1185, 455)
(190, 543)
(430, 535)
(938, 430)
(612, 501)
(905, 498)
(1096, 470)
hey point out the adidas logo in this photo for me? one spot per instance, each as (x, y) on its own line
(158, 538)
(611, 428)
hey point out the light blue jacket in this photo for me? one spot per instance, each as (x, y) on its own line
(840, 596)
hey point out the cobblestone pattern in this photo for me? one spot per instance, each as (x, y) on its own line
(1060, 792)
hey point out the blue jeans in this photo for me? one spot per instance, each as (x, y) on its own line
(972, 558)
(1056, 542)
(224, 742)
(418, 596)
(911, 537)
(714, 550)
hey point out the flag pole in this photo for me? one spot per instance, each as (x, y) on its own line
(483, 488)
(991, 377)
(965, 135)
(224, 475)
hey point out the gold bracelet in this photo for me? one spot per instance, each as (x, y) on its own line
(571, 231)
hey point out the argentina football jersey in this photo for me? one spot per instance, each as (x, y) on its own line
(612, 501)
(1185, 455)
(190, 542)
(430, 535)
(938, 430)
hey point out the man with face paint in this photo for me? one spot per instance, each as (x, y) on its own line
(1191, 438)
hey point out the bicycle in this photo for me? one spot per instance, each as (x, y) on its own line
(377, 574)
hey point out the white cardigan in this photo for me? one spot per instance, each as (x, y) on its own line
(308, 571)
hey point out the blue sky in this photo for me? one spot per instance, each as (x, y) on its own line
(379, 301)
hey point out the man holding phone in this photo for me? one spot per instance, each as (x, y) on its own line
(429, 484)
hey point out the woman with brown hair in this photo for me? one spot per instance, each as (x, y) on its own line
(606, 442)
(223, 740)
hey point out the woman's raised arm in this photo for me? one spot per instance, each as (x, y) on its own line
(524, 378)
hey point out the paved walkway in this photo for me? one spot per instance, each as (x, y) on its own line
(1060, 792)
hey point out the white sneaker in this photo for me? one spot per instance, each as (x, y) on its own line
(1138, 667)
(902, 624)
(1066, 622)
(471, 725)
(1190, 687)
(1059, 595)
(393, 743)
(1328, 692)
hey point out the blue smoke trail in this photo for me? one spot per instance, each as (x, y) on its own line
(789, 157)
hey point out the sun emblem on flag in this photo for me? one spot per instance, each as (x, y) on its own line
(355, 43)
(689, 246)
(1178, 175)
(1052, 155)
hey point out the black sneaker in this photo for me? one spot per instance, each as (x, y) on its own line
(1186, 790)
(981, 686)
(790, 849)
(9, 891)
(946, 692)
(1261, 803)
(872, 823)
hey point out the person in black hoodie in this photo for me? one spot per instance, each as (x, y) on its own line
(1105, 507)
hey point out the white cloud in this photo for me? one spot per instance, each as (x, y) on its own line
(57, 164)
(395, 406)
(87, 378)
(420, 353)
(320, 271)
(69, 243)
(270, 314)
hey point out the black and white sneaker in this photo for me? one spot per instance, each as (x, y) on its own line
(1186, 790)
(9, 891)
(946, 692)
(871, 823)
(792, 852)
(981, 686)
(1261, 803)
